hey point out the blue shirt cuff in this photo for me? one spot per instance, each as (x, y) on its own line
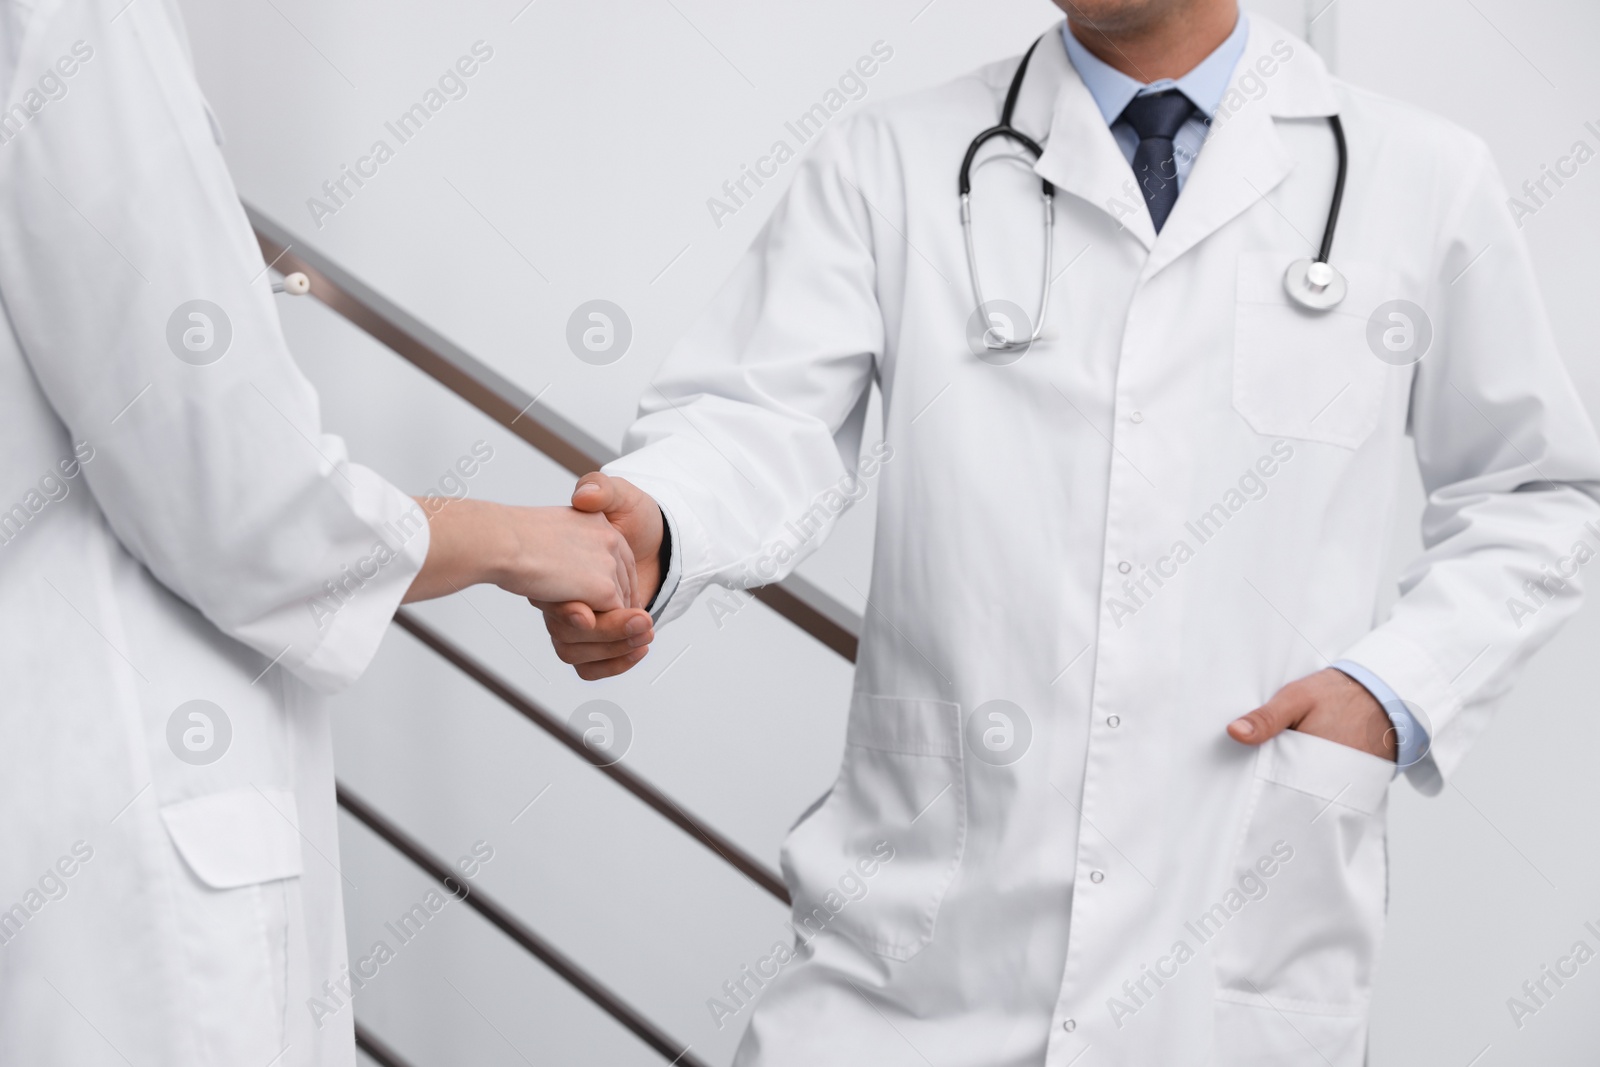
(1413, 739)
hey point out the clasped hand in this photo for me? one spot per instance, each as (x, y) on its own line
(597, 641)
(592, 568)
(539, 553)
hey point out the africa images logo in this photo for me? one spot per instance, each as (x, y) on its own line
(199, 732)
(199, 332)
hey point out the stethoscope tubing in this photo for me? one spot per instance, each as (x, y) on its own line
(1004, 129)
(1338, 189)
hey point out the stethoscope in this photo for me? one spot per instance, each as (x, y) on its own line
(1313, 283)
(992, 340)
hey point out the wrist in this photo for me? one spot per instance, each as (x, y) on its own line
(469, 542)
(508, 543)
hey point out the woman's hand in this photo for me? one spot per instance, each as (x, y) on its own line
(564, 554)
(545, 554)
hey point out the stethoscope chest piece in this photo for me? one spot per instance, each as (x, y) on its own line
(1314, 284)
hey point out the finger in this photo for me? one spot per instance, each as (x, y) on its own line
(593, 672)
(593, 651)
(1286, 708)
(610, 637)
(611, 592)
(616, 498)
(576, 616)
(624, 624)
(609, 595)
(626, 586)
(628, 574)
(596, 492)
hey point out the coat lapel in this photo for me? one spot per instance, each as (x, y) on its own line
(1080, 157)
(1243, 160)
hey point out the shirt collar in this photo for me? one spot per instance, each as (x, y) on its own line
(1205, 85)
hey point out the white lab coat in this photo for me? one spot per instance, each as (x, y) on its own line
(1136, 888)
(164, 530)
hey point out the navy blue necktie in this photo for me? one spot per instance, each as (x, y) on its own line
(1157, 118)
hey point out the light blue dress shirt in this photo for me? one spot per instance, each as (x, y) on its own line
(1411, 738)
(1205, 87)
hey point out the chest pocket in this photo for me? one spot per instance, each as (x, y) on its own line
(1307, 374)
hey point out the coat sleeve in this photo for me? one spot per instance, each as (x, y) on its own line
(750, 435)
(210, 463)
(1511, 468)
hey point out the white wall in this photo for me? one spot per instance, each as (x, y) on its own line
(578, 167)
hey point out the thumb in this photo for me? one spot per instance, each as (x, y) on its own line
(1286, 708)
(594, 492)
(603, 493)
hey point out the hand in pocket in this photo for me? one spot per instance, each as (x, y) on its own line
(1328, 704)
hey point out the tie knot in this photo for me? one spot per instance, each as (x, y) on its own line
(1159, 115)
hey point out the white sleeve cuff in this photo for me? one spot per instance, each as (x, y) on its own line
(352, 611)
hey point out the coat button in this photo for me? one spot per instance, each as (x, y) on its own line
(1097, 877)
(1069, 1025)
(1124, 566)
(1137, 416)
(1114, 721)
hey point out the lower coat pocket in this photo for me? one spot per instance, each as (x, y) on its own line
(235, 893)
(874, 860)
(1309, 941)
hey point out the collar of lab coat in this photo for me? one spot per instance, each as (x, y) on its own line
(1242, 161)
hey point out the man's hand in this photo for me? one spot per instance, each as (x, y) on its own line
(602, 644)
(1329, 704)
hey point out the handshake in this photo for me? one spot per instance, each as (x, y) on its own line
(592, 568)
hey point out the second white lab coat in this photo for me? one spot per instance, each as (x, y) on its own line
(169, 527)
(1176, 503)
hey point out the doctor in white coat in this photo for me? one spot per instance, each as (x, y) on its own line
(1111, 801)
(186, 558)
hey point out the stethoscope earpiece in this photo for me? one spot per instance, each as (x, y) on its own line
(295, 284)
